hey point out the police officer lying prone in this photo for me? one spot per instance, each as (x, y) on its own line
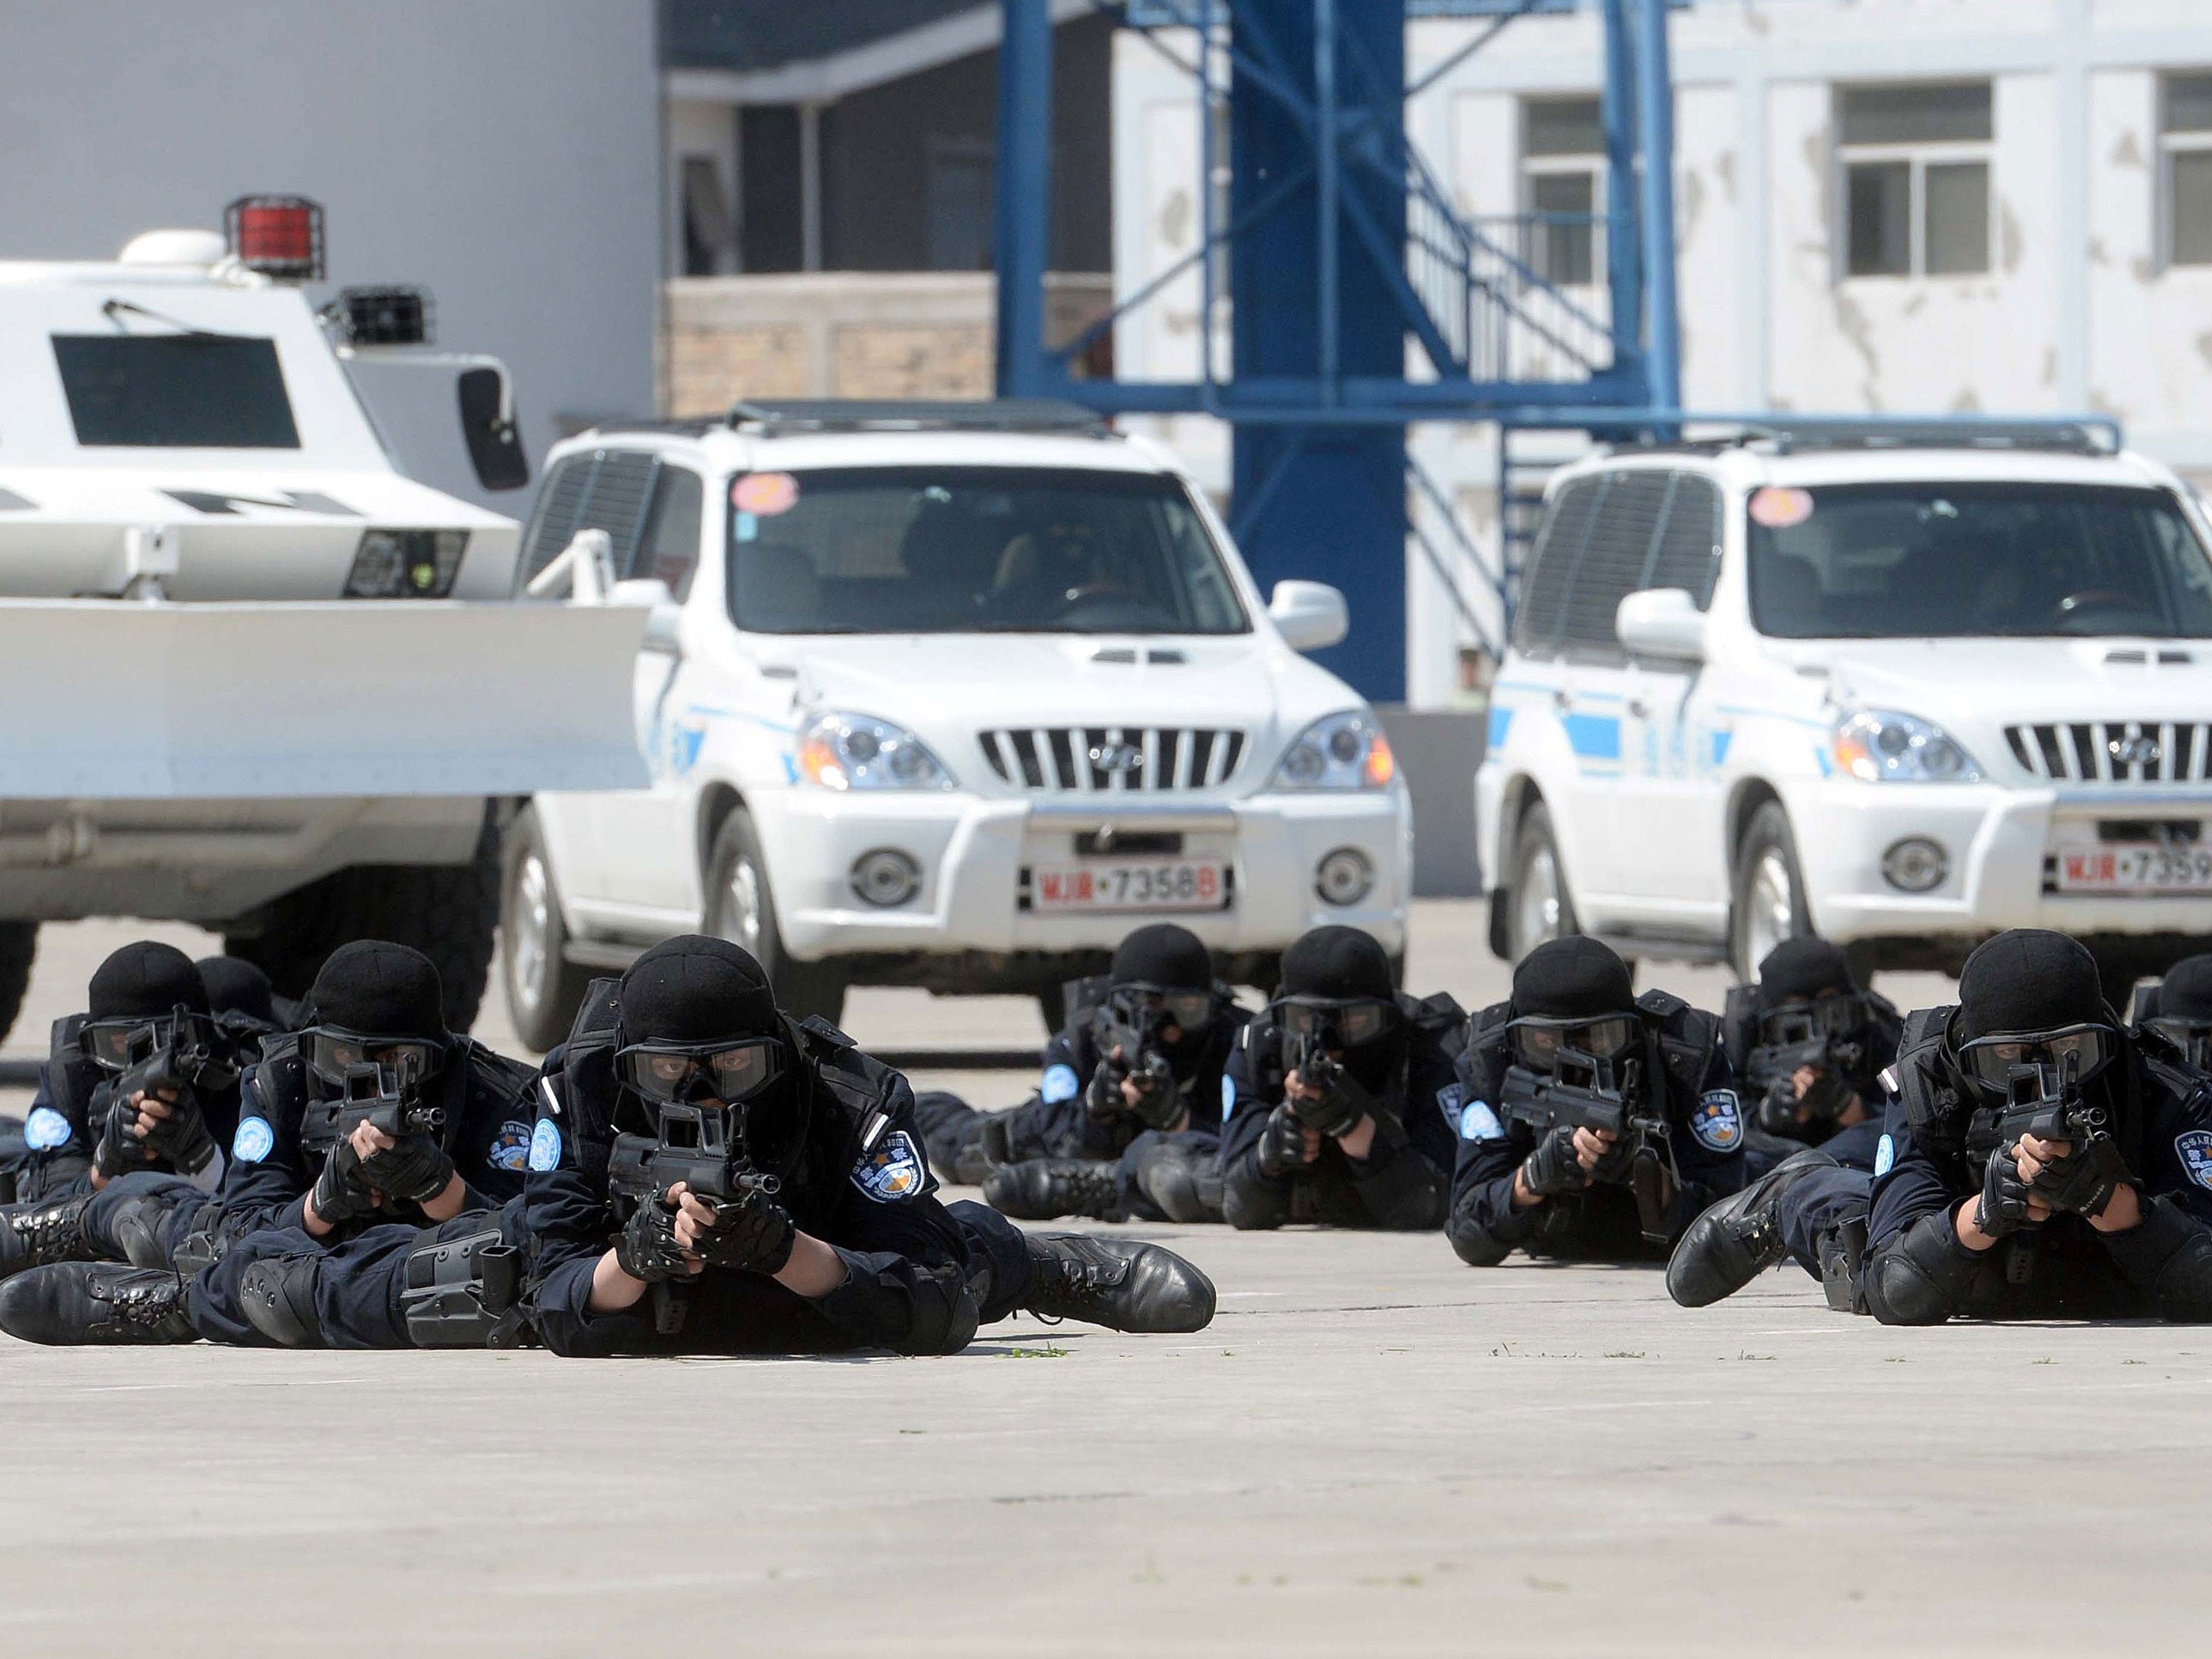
(1126, 1121)
(2039, 1162)
(1810, 1045)
(1596, 1123)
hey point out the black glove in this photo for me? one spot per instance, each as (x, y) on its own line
(2085, 1180)
(416, 1168)
(1103, 1099)
(120, 1150)
(1780, 1112)
(754, 1232)
(646, 1248)
(1618, 1162)
(1340, 1105)
(182, 1138)
(2003, 1207)
(1282, 1143)
(341, 1193)
(1552, 1169)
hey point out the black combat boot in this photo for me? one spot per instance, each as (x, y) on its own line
(32, 1235)
(1040, 1189)
(278, 1296)
(1111, 1282)
(1739, 1238)
(1184, 1183)
(101, 1301)
(141, 1227)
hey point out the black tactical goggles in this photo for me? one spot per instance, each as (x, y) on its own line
(1351, 1021)
(1186, 1010)
(729, 1070)
(1537, 1040)
(1831, 1014)
(2192, 1036)
(117, 1045)
(331, 1054)
(2074, 1054)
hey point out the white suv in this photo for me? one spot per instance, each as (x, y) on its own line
(947, 695)
(1901, 689)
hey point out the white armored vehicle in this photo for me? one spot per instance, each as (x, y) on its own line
(250, 675)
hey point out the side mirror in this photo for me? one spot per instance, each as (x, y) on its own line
(663, 619)
(488, 429)
(1664, 623)
(1309, 616)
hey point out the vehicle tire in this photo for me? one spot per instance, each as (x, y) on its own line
(1537, 904)
(19, 943)
(741, 907)
(1767, 892)
(450, 913)
(543, 989)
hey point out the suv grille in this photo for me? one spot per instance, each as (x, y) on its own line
(1096, 759)
(2116, 751)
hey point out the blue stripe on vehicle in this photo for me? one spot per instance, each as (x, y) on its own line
(1593, 736)
(1501, 720)
(1821, 755)
(1720, 742)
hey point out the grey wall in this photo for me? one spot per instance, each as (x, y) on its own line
(505, 154)
(1439, 752)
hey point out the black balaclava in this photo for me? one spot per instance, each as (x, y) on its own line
(2029, 979)
(373, 987)
(693, 988)
(1802, 967)
(1346, 965)
(235, 986)
(1576, 977)
(1173, 959)
(2185, 992)
(143, 981)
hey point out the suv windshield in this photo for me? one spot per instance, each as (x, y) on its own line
(175, 391)
(1948, 561)
(956, 549)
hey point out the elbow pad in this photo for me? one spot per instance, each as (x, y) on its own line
(945, 1313)
(1920, 1278)
(2169, 1257)
(1250, 1202)
(1475, 1246)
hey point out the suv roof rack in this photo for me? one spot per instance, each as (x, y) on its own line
(938, 415)
(2093, 435)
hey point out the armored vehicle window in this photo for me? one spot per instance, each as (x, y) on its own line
(1612, 562)
(985, 549)
(608, 489)
(1544, 593)
(1952, 561)
(1688, 555)
(175, 391)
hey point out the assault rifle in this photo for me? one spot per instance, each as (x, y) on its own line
(1136, 1033)
(1580, 1093)
(694, 1145)
(378, 1096)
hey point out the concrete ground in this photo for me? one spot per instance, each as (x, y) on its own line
(1373, 1450)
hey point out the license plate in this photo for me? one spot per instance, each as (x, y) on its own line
(2134, 868)
(1151, 884)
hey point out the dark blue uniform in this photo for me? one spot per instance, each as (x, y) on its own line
(1399, 1184)
(1694, 1092)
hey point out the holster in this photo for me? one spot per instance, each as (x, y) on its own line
(1647, 1184)
(464, 1292)
(1840, 1268)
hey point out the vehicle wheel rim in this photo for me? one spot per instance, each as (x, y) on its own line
(1770, 908)
(1536, 903)
(530, 925)
(741, 905)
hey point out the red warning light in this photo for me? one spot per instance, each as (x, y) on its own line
(279, 236)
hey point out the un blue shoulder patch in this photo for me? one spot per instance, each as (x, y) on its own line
(1059, 1084)
(894, 1170)
(510, 1147)
(1885, 1157)
(545, 1145)
(254, 1140)
(2194, 1148)
(1717, 1120)
(45, 1129)
(1477, 1123)
(1228, 1098)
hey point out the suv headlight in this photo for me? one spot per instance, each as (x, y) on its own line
(858, 751)
(1880, 745)
(1345, 752)
(405, 564)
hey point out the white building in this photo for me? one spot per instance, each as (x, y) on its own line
(1908, 206)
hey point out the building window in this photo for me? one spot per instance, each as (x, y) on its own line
(706, 224)
(1562, 189)
(1916, 178)
(2186, 168)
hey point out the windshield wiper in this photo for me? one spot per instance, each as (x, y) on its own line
(115, 310)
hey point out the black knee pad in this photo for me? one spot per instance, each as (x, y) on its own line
(277, 1295)
(1186, 1185)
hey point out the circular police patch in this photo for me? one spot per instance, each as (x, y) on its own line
(1885, 1157)
(1478, 1122)
(254, 1140)
(45, 1129)
(1717, 1121)
(892, 1171)
(2194, 1148)
(545, 1145)
(510, 1147)
(1059, 1084)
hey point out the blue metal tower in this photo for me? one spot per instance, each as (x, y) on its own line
(1341, 250)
